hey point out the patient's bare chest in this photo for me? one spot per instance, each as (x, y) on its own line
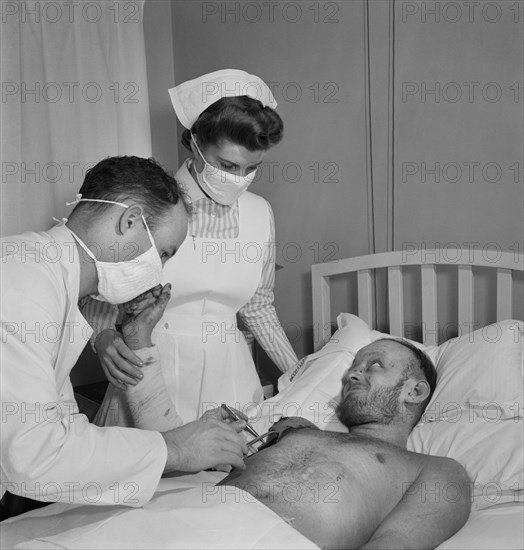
(330, 486)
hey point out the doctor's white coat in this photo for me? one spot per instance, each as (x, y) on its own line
(49, 451)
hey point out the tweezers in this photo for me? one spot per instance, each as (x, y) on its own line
(259, 438)
(248, 426)
(235, 416)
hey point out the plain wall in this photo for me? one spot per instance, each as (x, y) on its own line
(458, 157)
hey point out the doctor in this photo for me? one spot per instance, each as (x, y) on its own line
(225, 266)
(131, 218)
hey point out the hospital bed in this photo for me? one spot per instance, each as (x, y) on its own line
(475, 416)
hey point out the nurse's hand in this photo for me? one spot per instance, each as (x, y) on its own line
(120, 365)
(204, 444)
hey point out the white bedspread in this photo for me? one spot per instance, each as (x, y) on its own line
(185, 512)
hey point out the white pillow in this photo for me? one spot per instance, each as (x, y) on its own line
(311, 391)
(482, 371)
(476, 411)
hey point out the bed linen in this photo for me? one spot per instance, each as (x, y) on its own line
(186, 512)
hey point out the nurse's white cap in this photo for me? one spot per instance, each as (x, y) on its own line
(194, 96)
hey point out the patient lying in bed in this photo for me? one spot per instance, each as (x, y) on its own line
(360, 489)
(363, 489)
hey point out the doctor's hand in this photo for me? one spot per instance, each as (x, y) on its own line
(222, 415)
(204, 444)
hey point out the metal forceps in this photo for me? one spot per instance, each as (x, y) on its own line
(248, 426)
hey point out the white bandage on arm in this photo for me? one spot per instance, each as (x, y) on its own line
(149, 402)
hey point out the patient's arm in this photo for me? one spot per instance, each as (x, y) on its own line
(434, 507)
(149, 403)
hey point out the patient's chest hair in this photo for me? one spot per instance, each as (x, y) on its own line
(311, 461)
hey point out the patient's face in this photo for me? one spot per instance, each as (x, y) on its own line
(372, 386)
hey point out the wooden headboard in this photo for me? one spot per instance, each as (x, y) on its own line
(505, 264)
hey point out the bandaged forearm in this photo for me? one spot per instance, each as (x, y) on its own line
(149, 403)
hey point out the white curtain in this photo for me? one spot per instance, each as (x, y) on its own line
(74, 91)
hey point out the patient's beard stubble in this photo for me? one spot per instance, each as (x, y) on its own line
(379, 405)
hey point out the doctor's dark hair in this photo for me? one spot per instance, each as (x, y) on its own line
(240, 119)
(128, 177)
(421, 367)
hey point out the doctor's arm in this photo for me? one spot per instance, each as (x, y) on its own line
(120, 365)
(260, 316)
(50, 452)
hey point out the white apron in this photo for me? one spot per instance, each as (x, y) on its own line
(205, 358)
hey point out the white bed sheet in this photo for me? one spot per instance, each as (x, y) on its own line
(177, 517)
(186, 512)
(499, 527)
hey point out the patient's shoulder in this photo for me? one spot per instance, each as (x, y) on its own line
(444, 469)
(296, 422)
(285, 426)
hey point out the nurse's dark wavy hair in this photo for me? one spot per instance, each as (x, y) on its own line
(240, 119)
(128, 177)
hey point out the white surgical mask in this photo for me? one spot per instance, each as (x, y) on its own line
(222, 187)
(119, 282)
